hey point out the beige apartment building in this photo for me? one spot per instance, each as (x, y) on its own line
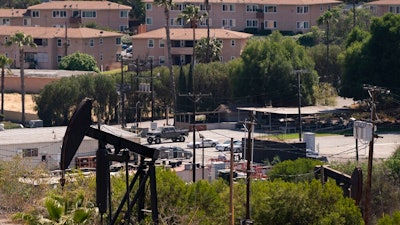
(13, 17)
(54, 43)
(153, 45)
(246, 15)
(107, 15)
(381, 7)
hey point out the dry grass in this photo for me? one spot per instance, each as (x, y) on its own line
(12, 102)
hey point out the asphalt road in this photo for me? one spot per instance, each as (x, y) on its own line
(335, 148)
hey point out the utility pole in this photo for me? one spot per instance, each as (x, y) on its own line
(122, 92)
(194, 98)
(298, 73)
(231, 207)
(249, 156)
(373, 92)
(152, 90)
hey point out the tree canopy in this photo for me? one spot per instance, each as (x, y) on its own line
(271, 62)
(373, 60)
(79, 61)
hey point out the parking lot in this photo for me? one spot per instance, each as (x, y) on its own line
(335, 148)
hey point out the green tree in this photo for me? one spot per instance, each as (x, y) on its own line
(167, 4)
(208, 50)
(22, 41)
(294, 170)
(54, 110)
(4, 61)
(264, 72)
(390, 219)
(79, 61)
(374, 59)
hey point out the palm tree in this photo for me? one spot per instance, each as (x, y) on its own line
(327, 18)
(167, 4)
(4, 61)
(208, 50)
(191, 15)
(21, 40)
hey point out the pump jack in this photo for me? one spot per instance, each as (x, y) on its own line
(80, 126)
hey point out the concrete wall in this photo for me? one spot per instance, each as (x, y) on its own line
(33, 85)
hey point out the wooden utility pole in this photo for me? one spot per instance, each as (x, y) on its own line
(231, 207)
(249, 156)
(373, 92)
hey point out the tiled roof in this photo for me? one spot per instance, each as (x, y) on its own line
(187, 34)
(264, 2)
(384, 2)
(10, 13)
(51, 32)
(86, 5)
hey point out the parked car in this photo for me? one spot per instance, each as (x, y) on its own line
(206, 142)
(166, 132)
(226, 146)
(173, 152)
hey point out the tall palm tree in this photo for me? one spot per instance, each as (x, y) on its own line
(191, 15)
(327, 18)
(21, 40)
(4, 61)
(167, 4)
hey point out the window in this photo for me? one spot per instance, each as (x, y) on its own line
(204, 8)
(150, 58)
(149, 20)
(59, 13)
(6, 21)
(101, 41)
(233, 57)
(27, 22)
(302, 25)
(251, 23)
(178, 7)
(394, 9)
(269, 24)
(228, 23)
(321, 8)
(123, 28)
(161, 44)
(118, 41)
(228, 7)
(372, 9)
(123, 14)
(118, 57)
(203, 23)
(89, 14)
(35, 14)
(101, 56)
(149, 7)
(176, 22)
(40, 41)
(30, 152)
(91, 43)
(75, 14)
(233, 43)
(302, 9)
(270, 8)
(221, 59)
(251, 8)
(150, 43)
(161, 60)
(59, 43)
(59, 57)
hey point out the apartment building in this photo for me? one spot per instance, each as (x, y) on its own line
(54, 43)
(13, 17)
(246, 15)
(153, 45)
(75, 14)
(381, 7)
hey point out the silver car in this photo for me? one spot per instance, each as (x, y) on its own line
(226, 146)
(207, 143)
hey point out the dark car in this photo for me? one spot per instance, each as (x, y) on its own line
(173, 152)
